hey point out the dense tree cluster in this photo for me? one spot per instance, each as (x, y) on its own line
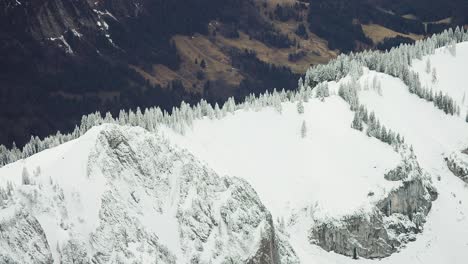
(343, 29)
(151, 118)
(389, 43)
(293, 57)
(302, 31)
(286, 12)
(363, 120)
(394, 62)
(261, 76)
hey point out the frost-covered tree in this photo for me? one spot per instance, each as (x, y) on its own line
(322, 91)
(378, 88)
(25, 178)
(37, 171)
(300, 84)
(452, 47)
(357, 122)
(428, 66)
(384, 135)
(276, 101)
(349, 93)
(303, 129)
(434, 75)
(300, 107)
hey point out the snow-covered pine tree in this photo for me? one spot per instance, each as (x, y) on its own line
(434, 75)
(25, 178)
(452, 47)
(275, 100)
(383, 135)
(300, 107)
(303, 129)
(428, 66)
(322, 91)
(218, 113)
(357, 122)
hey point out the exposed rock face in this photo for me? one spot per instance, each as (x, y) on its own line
(22, 240)
(393, 223)
(413, 197)
(363, 233)
(268, 248)
(160, 205)
(204, 205)
(458, 164)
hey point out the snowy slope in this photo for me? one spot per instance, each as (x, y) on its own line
(450, 72)
(433, 135)
(290, 172)
(333, 173)
(123, 195)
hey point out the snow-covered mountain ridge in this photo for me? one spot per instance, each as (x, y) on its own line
(123, 195)
(364, 161)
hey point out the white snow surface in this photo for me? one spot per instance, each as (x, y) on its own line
(290, 172)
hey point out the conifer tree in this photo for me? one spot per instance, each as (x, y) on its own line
(25, 178)
(300, 107)
(357, 122)
(428, 66)
(303, 129)
(434, 75)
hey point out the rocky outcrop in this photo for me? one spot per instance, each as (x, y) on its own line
(267, 248)
(22, 240)
(458, 164)
(413, 197)
(392, 223)
(204, 206)
(363, 235)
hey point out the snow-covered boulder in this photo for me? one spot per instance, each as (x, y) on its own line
(457, 162)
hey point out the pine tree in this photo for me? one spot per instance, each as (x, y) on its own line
(379, 88)
(303, 129)
(25, 178)
(357, 122)
(434, 75)
(428, 66)
(383, 135)
(322, 91)
(453, 48)
(300, 107)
